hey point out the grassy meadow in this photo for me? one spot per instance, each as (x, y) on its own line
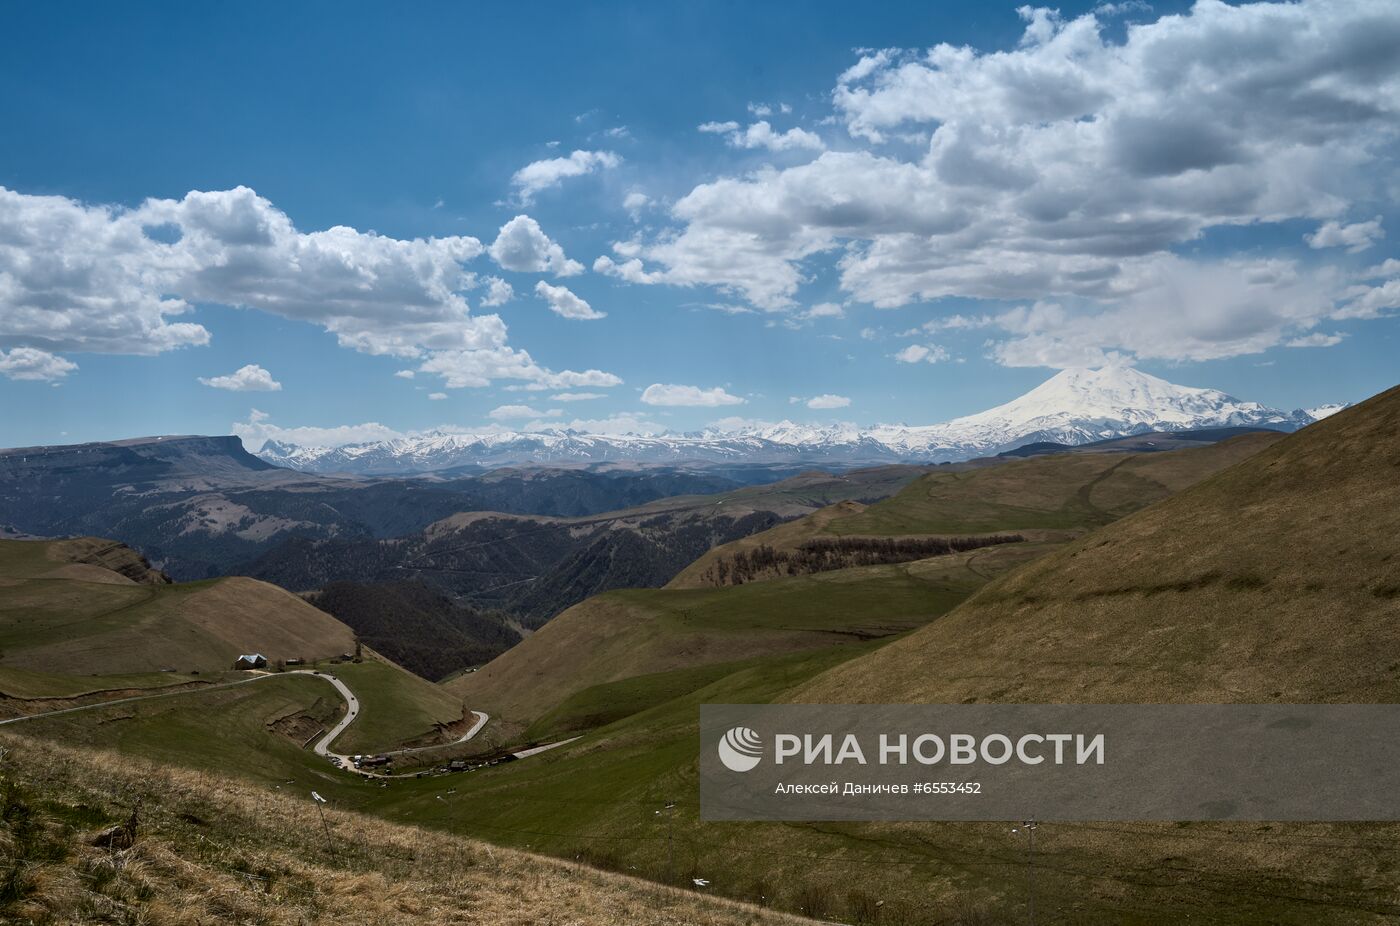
(1253, 569)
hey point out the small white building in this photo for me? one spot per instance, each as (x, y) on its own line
(251, 661)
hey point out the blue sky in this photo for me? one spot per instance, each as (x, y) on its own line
(918, 209)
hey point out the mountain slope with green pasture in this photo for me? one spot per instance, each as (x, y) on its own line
(1077, 491)
(69, 640)
(265, 726)
(1277, 579)
(636, 632)
(259, 731)
(693, 623)
(1271, 579)
(92, 558)
(1050, 497)
(605, 798)
(787, 536)
(100, 622)
(397, 708)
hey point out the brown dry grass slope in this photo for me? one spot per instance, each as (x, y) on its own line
(1277, 579)
(207, 850)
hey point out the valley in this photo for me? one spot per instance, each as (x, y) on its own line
(700, 464)
(619, 675)
(506, 550)
(1037, 632)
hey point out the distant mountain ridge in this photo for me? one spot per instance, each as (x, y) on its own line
(1073, 407)
(187, 460)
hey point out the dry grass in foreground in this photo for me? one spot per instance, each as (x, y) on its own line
(208, 850)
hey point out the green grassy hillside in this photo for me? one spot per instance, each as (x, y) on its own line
(397, 707)
(257, 731)
(20, 685)
(1052, 497)
(690, 624)
(1059, 491)
(1229, 590)
(533, 566)
(604, 798)
(73, 631)
(624, 634)
(69, 618)
(264, 729)
(786, 536)
(1271, 578)
(90, 558)
(1277, 579)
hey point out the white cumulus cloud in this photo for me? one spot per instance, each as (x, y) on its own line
(767, 109)
(761, 134)
(541, 175)
(824, 310)
(1356, 237)
(78, 277)
(259, 429)
(828, 401)
(562, 301)
(33, 364)
(920, 353)
(623, 423)
(472, 368)
(249, 378)
(1316, 339)
(509, 412)
(521, 245)
(635, 202)
(498, 292)
(1072, 168)
(670, 394)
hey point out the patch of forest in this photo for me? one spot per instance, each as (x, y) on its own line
(825, 555)
(417, 627)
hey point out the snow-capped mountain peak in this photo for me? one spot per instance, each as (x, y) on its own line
(1115, 392)
(1326, 411)
(1079, 405)
(1074, 406)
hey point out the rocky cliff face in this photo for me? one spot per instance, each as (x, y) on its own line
(139, 464)
(118, 557)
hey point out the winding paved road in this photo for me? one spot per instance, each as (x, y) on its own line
(323, 745)
(352, 710)
(481, 718)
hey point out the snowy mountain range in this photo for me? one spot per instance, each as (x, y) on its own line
(1073, 407)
